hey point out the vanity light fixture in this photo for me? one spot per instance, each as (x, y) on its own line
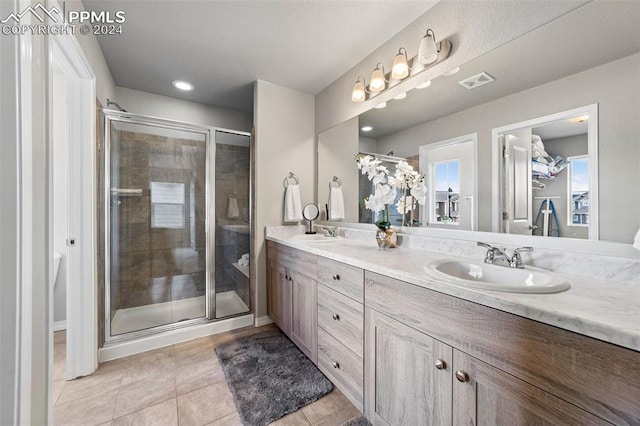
(182, 85)
(378, 81)
(401, 96)
(424, 85)
(366, 128)
(428, 52)
(381, 105)
(359, 92)
(451, 72)
(400, 69)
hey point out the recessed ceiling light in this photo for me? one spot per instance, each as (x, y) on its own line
(424, 85)
(401, 96)
(380, 106)
(451, 72)
(366, 128)
(579, 119)
(182, 85)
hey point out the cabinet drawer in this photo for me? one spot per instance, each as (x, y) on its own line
(296, 260)
(589, 373)
(341, 317)
(341, 366)
(342, 278)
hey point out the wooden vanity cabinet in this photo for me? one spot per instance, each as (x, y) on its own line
(504, 369)
(292, 295)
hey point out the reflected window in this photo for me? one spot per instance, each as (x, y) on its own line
(446, 197)
(167, 205)
(579, 190)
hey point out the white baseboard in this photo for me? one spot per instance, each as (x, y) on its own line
(122, 349)
(60, 325)
(263, 320)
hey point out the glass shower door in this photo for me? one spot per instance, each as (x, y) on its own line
(157, 208)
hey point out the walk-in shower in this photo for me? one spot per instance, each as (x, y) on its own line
(177, 233)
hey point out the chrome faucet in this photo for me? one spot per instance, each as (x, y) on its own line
(496, 256)
(332, 231)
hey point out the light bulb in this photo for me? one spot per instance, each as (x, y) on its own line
(358, 93)
(400, 67)
(428, 52)
(378, 82)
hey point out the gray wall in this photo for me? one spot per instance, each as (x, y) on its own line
(474, 28)
(619, 114)
(285, 141)
(335, 153)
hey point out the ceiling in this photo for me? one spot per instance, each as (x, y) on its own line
(221, 47)
(589, 36)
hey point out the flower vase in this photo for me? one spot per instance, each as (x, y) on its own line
(386, 238)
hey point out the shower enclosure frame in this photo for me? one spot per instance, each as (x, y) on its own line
(210, 222)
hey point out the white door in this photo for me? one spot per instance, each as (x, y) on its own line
(517, 214)
(449, 168)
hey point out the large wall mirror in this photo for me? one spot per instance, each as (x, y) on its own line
(540, 136)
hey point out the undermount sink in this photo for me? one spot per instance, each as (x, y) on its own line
(315, 238)
(499, 278)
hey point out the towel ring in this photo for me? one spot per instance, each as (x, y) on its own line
(337, 181)
(291, 176)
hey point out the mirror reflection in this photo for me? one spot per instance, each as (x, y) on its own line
(455, 131)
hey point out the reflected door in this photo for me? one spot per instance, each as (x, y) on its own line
(518, 214)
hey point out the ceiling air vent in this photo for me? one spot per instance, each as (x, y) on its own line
(476, 81)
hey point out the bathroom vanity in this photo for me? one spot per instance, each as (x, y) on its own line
(408, 349)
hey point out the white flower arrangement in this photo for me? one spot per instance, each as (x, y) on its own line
(386, 186)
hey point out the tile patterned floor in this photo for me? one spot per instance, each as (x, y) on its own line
(181, 385)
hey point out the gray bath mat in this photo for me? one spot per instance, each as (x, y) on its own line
(357, 421)
(269, 377)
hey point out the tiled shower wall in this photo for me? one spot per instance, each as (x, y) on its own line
(232, 174)
(157, 264)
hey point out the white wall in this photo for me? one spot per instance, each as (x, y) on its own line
(368, 145)
(284, 142)
(145, 103)
(618, 116)
(335, 154)
(474, 28)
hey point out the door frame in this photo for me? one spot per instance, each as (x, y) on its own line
(81, 301)
(473, 139)
(592, 151)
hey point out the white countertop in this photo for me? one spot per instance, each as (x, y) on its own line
(602, 309)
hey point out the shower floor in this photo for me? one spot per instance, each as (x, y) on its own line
(143, 317)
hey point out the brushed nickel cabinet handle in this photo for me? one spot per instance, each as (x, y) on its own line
(336, 277)
(440, 364)
(462, 376)
(336, 317)
(336, 365)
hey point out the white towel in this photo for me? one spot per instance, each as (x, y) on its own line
(636, 241)
(336, 204)
(233, 212)
(292, 204)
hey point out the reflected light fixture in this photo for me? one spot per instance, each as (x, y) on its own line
(366, 128)
(428, 52)
(401, 96)
(580, 119)
(378, 83)
(424, 85)
(400, 67)
(451, 72)
(182, 85)
(359, 92)
(381, 105)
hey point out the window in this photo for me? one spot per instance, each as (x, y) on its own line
(579, 190)
(445, 198)
(167, 205)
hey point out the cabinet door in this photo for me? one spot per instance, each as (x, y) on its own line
(403, 386)
(279, 297)
(485, 395)
(304, 317)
